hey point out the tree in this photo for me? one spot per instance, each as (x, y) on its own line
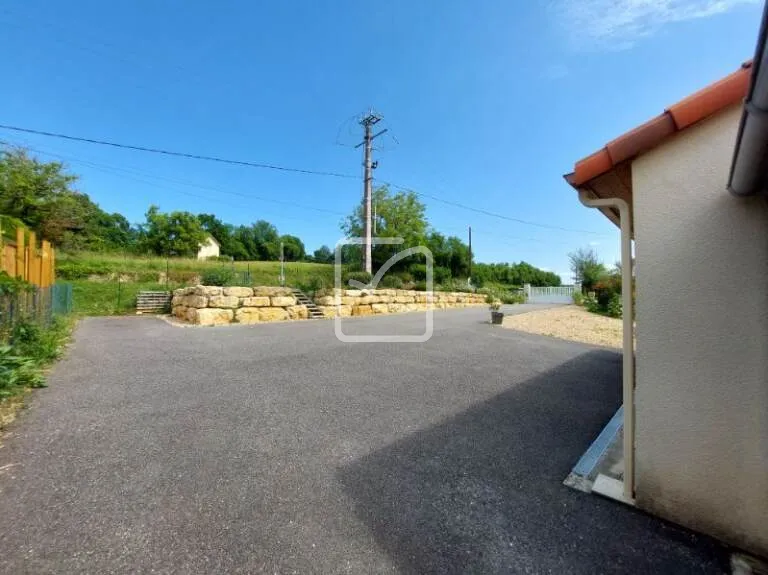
(40, 194)
(586, 267)
(293, 248)
(27, 186)
(324, 255)
(173, 234)
(450, 253)
(266, 241)
(400, 215)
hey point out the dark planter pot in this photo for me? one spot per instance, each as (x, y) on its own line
(497, 317)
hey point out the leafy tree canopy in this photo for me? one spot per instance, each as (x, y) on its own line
(293, 248)
(173, 234)
(586, 267)
(324, 255)
(41, 196)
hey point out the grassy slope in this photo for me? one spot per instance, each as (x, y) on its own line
(101, 297)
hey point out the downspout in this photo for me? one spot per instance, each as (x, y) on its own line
(750, 156)
(628, 370)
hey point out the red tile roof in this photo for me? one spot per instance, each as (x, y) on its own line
(730, 90)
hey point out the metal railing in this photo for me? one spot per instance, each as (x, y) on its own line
(39, 305)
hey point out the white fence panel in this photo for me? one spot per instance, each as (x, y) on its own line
(560, 294)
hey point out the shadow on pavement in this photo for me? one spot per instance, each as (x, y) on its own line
(482, 492)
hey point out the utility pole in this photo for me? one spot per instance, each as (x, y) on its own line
(368, 121)
(469, 279)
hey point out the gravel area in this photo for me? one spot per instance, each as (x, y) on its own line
(570, 322)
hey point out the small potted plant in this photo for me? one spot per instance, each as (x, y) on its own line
(497, 316)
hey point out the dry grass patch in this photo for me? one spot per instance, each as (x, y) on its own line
(569, 322)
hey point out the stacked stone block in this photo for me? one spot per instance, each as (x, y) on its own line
(345, 303)
(212, 305)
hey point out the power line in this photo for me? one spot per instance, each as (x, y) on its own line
(177, 154)
(488, 213)
(294, 170)
(127, 174)
(181, 182)
(130, 174)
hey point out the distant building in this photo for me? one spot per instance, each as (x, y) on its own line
(208, 249)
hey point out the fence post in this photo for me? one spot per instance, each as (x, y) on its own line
(45, 265)
(20, 252)
(117, 310)
(34, 263)
(52, 263)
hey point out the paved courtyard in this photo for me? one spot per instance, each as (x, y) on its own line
(278, 449)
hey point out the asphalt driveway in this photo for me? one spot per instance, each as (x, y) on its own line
(279, 449)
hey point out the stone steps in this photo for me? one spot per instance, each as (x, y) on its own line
(303, 299)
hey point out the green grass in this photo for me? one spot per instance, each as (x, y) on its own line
(99, 296)
(109, 297)
(82, 265)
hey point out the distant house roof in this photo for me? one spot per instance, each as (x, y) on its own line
(607, 172)
(212, 239)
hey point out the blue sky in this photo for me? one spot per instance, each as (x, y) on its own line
(490, 102)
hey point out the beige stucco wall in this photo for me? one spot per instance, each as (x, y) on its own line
(209, 249)
(702, 338)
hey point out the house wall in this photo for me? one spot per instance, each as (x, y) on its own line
(209, 249)
(702, 338)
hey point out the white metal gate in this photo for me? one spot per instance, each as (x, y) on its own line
(561, 294)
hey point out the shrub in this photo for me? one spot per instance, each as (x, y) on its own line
(219, 277)
(312, 285)
(41, 344)
(17, 372)
(605, 289)
(362, 277)
(512, 297)
(614, 306)
(391, 281)
(315, 284)
(578, 297)
(456, 285)
(441, 275)
(75, 270)
(405, 276)
(590, 302)
(13, 286)
(419, 286)
(419, 271)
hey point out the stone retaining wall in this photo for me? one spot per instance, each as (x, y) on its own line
(380, 301)
(210, 305)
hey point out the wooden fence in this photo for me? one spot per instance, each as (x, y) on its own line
(25, 260)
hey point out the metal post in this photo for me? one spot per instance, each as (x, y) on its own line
(117, 310)
(469, 279)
